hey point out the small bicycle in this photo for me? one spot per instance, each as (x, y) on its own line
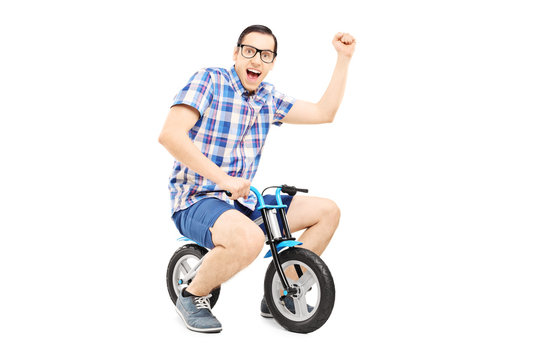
(298, 287)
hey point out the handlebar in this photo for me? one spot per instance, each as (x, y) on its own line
(287, 189)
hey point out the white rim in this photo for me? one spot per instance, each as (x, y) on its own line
(181, 269)
(308, 299)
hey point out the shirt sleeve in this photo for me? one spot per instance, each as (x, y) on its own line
(282, 104)
(198, 93)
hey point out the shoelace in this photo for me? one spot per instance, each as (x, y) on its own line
(201, 302)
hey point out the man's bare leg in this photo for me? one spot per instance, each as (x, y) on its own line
(238, 241)
(319, 216)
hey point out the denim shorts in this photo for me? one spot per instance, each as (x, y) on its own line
(195, 221)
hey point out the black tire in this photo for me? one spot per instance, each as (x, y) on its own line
(317, 279)
(183, 254)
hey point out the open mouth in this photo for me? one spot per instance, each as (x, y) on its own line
(253, 74)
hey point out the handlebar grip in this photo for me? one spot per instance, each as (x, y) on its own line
(228, 193)
(292, 190)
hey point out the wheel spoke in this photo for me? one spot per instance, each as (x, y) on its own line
(307, 280)
(300, 306)
(184, 266)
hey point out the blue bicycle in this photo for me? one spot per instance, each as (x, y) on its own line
(298, 287)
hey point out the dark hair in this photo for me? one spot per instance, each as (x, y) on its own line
(258, 29)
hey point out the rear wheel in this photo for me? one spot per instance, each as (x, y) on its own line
(182, 261)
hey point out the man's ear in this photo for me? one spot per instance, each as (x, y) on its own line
(273, 63)
(235, 53)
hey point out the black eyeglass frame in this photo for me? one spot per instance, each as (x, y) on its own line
(257, 51)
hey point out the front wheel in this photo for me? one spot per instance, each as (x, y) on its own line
(311, 306)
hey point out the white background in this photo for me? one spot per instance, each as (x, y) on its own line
(433, 159)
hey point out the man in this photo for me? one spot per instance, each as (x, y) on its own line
(215, 130)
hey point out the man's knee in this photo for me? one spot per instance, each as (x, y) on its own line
(306, 212)
(328, 211)
(332, 211)
(235, 232)
(248, 243)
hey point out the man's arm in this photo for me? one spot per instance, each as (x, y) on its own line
(304, 112)
(174, 137)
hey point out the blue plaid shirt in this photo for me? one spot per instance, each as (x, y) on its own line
(231, 131)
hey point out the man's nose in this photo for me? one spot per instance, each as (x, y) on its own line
(256, 60)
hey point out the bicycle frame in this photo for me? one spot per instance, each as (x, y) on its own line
(277, 238)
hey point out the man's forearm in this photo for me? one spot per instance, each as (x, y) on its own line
(182, 148)
(174, 137)
(332, 97)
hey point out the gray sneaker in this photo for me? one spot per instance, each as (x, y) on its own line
(265, 312)
(195, 311)
(289, 303)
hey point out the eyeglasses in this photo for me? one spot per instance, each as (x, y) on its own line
(249, 52)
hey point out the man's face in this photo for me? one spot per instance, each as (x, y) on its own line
(253, 71)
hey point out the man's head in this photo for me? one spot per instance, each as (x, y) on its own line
(254, 55)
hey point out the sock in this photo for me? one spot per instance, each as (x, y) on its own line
(186, 293)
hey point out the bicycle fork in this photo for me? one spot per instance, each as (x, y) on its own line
(276, 242)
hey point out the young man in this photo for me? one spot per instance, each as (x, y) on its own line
(215, 130)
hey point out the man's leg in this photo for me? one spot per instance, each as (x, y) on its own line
(238, 241)
(320, 218)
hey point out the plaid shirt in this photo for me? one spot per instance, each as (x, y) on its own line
(231, 131)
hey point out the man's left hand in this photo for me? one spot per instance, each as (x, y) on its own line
(344, 44)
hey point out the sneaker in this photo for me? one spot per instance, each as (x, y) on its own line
(195, 311)
(265, 312)
(289, 303)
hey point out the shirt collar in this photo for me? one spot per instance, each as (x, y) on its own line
(260, 94)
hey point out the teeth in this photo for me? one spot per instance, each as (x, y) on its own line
(254, 71)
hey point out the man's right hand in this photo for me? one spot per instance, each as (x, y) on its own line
(239, 187)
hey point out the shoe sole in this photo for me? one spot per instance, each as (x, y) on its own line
(266, 315)
(209, 330)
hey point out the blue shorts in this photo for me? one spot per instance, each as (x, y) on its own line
(195, 221)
